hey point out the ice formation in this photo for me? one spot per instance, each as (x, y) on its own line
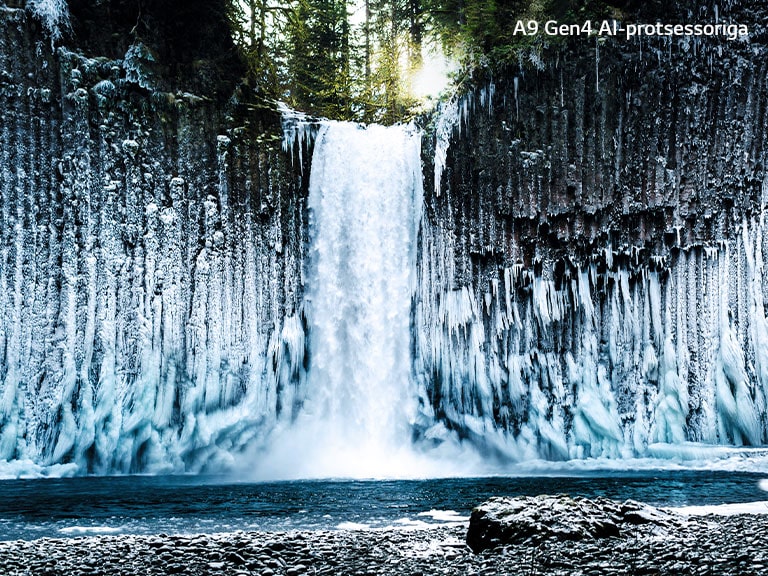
(599, 364)
(170, 299)
(149, 301)
(527, 356)
(54, 15)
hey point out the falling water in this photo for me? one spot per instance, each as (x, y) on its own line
(365, 203)
(365, 195)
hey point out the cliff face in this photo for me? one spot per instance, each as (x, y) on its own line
(589, 276)
(150, 260)
(189, 41)
(592, 262)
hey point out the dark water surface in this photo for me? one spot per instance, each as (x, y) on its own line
(188, 504)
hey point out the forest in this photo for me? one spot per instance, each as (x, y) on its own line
(360, 60)
(357, 60)
(363, 60)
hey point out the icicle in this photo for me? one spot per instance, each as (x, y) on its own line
(517, 102)
(491, 94)
(448, 120)
(597, 66)
(298, 131)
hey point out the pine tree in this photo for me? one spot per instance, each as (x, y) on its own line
(319, 63)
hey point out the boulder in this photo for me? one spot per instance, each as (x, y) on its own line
(533, 519)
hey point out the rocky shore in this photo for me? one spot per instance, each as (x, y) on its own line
(713, 545)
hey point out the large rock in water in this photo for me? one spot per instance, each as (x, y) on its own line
(526, 519)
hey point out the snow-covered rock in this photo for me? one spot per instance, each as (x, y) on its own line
(530, 519)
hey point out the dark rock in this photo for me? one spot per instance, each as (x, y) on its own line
(515, 520)
(235, 558)
(638, 513)
(714, 546)
(503, 520)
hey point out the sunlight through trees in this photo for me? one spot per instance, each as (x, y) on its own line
(376, 60)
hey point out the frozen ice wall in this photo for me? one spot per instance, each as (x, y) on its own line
(604, 360)
(591, 267)
(150, 266)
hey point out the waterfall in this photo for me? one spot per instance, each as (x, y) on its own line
(356, 410)
(578, 288)
(365, 198)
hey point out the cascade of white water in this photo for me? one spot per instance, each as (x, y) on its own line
(365, 195)
(358, 405)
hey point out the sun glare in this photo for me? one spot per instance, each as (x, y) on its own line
(433, 77)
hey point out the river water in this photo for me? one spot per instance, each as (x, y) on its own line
(66, 507)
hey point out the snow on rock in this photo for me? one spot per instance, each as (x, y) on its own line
(150, 271)
(54, 15)
(534, 519)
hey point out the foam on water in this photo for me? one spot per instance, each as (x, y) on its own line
(353, 526)
(724, 509)
(28, 469)
(87, 530)
(449, 516)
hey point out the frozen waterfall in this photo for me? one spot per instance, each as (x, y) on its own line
(414, 360)
(528, 348)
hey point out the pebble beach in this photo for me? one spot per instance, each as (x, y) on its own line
(710, 545)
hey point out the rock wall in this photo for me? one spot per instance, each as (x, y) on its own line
(151, 247)
(591, 278)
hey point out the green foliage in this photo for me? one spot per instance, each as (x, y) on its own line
(481, 32)
(392, 50)
(258, 28)
(320, 58)
(319, 62)
(310, 54)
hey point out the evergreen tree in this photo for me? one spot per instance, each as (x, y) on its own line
(259, 28)
(308, 52)
(319, 62)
